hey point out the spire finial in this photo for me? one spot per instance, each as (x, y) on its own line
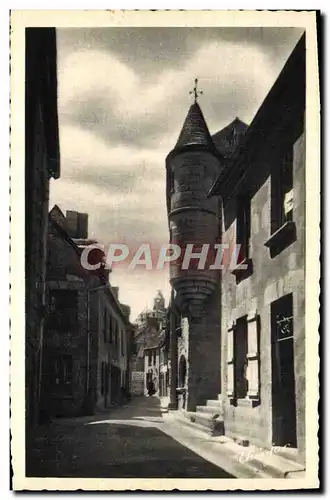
(195, 91)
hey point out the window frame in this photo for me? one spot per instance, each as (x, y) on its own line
(281, 185)
(68, 320)
(243, 226)
(59, 362)
(240, 355)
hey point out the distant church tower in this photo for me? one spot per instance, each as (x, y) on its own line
(192, 167)
(159, 302)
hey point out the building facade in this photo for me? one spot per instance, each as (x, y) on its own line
(42, 161)
(85, 364)
(148, 325)
(156, 361)
(192, 167)
(263, 306)
(240, 352)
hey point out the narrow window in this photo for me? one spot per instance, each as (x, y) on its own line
(102, 377)
(122, 342)
(243, 231)
(63, 370)
(63, 309)
(149, 358)
(105, 325)
(171, 180)
(110, 328)
(182, 371)
(240, 358)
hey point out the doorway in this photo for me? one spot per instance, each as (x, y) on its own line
(115, 384)
(283, 377)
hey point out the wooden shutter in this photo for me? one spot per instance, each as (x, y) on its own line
(253, 355)
(230, 362)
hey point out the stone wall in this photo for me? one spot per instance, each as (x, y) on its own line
(154, 366)
(37, 195)
(112, 350)
(194, 219)
(62, 401)
(199, 343)
(271, 279)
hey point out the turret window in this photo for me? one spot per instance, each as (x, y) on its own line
(171, 180)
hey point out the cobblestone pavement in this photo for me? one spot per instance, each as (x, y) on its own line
(126, 442)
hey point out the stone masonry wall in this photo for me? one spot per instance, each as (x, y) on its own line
(37, 195)
(74, 343)
(271, 279)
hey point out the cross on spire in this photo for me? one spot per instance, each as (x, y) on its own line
(195, 91)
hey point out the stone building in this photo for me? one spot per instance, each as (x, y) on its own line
(42, 162)
(148, 324)
(156, 359)
(86, 342)
(241, 353)
(158, 311)
(263, 306)
(194, 220)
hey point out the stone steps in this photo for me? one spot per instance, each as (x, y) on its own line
(214, 403)
(194, 427)
(275, 465)
(288, 453)
(242, 462)
(211, 426)
(211, 410)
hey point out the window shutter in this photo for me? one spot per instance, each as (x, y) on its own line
(230, 362)
(253, 355)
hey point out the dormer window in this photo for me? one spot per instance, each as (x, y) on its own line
(283, 229)
(282, 192)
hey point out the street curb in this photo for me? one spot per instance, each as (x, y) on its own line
(227, 454)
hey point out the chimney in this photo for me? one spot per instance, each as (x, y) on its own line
(126, 310)
(77, 224)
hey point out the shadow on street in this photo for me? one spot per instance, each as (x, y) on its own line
(126, 443)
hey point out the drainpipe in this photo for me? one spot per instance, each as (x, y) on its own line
(89, 292)
(173, 404)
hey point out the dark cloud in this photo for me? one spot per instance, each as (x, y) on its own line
(93, 113)
(132, 227)
(118, 194)
(152, 49)
(113, 180)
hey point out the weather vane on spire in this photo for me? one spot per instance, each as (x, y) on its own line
(195, 91)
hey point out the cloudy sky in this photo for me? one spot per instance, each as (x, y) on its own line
(123, 97)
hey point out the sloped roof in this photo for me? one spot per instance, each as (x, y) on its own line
(228, 138)
(286, 94)
(155, 339)
(194, 130)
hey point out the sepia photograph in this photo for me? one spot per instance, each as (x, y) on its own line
(165, 179)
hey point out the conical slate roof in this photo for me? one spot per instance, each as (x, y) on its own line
(194, 130)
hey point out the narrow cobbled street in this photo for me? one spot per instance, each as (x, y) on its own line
(126, 442)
